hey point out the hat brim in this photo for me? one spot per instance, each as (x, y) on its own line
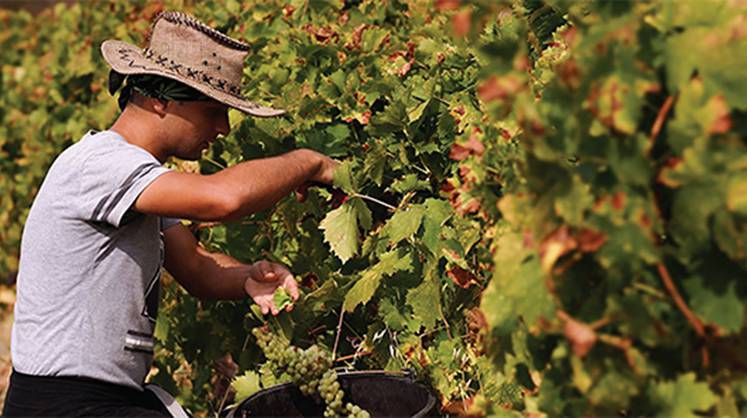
(127, 59)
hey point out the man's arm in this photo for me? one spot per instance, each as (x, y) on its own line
(237, 191)
(209, 275)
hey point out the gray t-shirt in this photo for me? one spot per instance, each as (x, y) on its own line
(89, 277)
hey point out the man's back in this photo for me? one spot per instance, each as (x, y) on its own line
(89, 273)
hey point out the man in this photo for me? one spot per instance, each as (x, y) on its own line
(105, 221)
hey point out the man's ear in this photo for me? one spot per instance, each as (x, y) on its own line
(159, 106)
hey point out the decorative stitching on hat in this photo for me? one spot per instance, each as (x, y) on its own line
(197, 75)
(187, 20)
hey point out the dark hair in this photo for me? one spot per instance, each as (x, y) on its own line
(148, 85)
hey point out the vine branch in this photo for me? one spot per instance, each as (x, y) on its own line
(660, 118)
(696, 323)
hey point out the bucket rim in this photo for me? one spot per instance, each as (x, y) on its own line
(403, 376)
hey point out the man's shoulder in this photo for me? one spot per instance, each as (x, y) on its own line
(105, 148)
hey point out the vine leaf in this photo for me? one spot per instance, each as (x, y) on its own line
(281, 298)
(340, 228)
(518, 287)
(246, 385)
(682, 397)
(343, 177)
(403, 224)
(425, 303)
(362, 291)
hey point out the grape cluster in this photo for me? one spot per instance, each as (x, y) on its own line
(310, 370)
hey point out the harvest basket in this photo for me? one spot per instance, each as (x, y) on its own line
(383, 394)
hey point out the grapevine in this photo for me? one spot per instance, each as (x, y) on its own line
(544, 203)
(310, 370)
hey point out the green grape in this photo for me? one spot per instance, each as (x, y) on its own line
(310, 370)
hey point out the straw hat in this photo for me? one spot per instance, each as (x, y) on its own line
(184, 49)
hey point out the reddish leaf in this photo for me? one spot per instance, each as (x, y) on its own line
(581, 336)
(447, 186)
(503, 88)
(557, 244)
(309, 280)
(722, 122)
(462, 408)
(618, 200)
(461, 277)
(471, 206)
(323, 34)
(444, 5)
(590, 240)
(462, 23)
(357, 35)
(405, 68)
(473, 146)
(459, 152)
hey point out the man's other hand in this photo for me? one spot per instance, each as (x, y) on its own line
(264, 277)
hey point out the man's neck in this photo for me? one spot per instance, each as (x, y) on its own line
(136, 128)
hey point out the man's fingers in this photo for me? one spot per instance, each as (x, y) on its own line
(302, 192)
(263, 267)
(264, 309)
(292, 287)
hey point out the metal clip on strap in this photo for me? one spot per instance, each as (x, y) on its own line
(168, 401)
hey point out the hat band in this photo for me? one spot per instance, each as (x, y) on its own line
(170, 66)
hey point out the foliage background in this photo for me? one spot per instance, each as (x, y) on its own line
(567, 185)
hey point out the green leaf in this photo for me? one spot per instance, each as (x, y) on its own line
(425, 301)
(340, 228)
(415, 113)
(683, 397)
(437, 212)
(408, 183)
(343, 177)
(518, 287)
(572, 205)
(403, 224)
(362, 291)
(161, 331)
(362, 213)
(246, 385)
(736, 199)
(720, 306)
(392, 315)
(281, 298)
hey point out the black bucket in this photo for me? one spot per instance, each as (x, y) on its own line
(382, 394)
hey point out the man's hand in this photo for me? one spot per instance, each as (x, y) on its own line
(324, 176)
(264, 277)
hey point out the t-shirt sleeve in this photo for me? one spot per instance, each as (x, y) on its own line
(112, 180)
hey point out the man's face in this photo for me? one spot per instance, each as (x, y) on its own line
(196, 124)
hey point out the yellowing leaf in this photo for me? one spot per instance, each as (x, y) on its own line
(340, 228)
(683, 397)
(362, 291)
(246, 385)
(403, 224)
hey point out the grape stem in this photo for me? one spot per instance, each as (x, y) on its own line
(339, 331)
(353, 356)
(373, 199)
